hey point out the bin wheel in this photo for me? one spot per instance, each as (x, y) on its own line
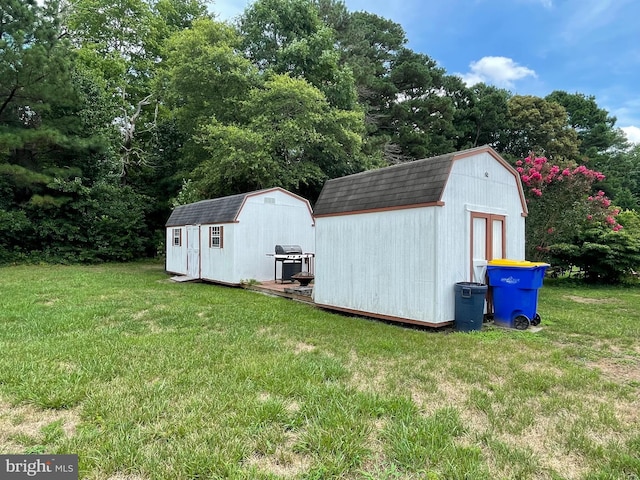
(521, 322)
(536, 320)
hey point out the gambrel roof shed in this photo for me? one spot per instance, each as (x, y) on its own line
(392, 243)
(407, 185)
(227, 239)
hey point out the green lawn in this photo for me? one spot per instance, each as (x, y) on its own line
(144, 378)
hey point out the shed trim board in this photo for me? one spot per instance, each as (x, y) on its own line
(384, 317)
(383, 209)
(384, 251)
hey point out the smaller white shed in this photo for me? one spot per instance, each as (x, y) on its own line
(392, 243)
(227, 240)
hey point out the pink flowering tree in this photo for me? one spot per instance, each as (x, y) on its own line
(571, 224)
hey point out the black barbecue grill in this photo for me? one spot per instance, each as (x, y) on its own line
(292, 261)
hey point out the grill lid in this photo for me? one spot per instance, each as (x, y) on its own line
(288, 250)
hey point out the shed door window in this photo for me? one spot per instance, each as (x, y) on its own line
(215, 236)
(177, 237)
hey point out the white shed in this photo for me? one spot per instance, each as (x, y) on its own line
(227, 239)
(392, 243)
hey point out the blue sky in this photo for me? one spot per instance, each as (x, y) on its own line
(530, 47)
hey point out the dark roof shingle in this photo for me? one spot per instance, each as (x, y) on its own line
(417, 182)
(217, 210)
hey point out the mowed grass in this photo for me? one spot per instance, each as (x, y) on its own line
(144, 378)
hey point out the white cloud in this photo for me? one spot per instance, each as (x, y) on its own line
(499, 71)
(633, 133)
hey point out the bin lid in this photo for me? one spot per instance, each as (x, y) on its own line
(506, 262)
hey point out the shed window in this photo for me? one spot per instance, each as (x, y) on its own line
(215, 237)
(177, 237)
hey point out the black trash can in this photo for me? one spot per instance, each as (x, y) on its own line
(469, 306)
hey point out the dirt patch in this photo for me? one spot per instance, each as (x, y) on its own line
(619, 370)
(27, 420)
(284, 462)
(302, 347)
(587, 300)
(141, 314)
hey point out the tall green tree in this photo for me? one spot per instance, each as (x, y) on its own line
(205, 76)
(289, 36)
(595, 127)
(122, 42)
(293, 138)
(481, 116)
(420, 119)
(55, 150)
(540, 126)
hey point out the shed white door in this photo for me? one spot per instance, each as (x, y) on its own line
(487, 242)
(193, 251)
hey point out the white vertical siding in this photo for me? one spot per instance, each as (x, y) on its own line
(218, 263)
(265, 220)
(273, 218)
(176, 256)
(382, 262)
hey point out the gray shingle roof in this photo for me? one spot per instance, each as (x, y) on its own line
(417, 182)
(217, 210)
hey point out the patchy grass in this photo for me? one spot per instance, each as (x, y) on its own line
(147, 379)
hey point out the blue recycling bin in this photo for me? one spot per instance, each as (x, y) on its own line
(515, 286)
(469, 306)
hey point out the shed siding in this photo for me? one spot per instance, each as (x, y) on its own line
(380, 262)
(218, 263)
(267, 219)
(262, 225)
(176, 256)
(470, 190)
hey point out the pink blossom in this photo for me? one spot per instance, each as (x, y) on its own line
(590, 198)
(617, 228)
(518, 163)
(554, 170)
(566, 172)
(525, 178)
(600, 177)
(550, 230)
(606, 202)
(527, 160)
(589, 217)
(537, 192)
(611, 220)
(540, 161)
(520, 170)
(601, 193)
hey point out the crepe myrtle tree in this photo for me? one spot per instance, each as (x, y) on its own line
(572, 224)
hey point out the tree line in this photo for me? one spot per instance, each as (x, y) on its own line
(113, 111)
